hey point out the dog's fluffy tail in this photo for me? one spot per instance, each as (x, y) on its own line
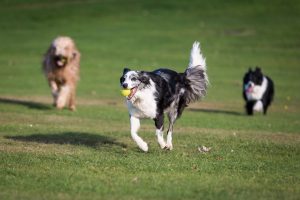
(195, 74)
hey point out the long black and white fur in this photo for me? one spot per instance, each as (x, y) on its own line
(258, 91)
(163, 91)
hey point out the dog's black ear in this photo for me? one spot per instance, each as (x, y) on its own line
(125, 70)
(51, 49)
(257, 69)
(250, 69)
(144, 79)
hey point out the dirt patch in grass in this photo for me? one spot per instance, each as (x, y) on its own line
(240, 32)
(279, 138)
(11, 146)
(75, 123)
(63, 143)
(233, 108)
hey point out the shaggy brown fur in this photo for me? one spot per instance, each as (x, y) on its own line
(61, 67)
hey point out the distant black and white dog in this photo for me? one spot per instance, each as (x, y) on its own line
(258, 91)
(163, 91)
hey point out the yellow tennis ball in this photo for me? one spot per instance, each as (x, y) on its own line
(125, 92)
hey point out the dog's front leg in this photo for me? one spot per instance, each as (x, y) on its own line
(63, 96)
(54, 91)
(134, 126)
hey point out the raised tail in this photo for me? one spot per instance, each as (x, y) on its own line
(195, 74)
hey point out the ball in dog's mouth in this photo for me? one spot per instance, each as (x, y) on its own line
(125, 92)
(129, 93)
(61, 61)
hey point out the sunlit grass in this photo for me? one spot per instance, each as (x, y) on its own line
(89, 154)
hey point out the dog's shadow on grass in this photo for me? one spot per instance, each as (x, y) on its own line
(73, 138)
(29, 104)
(215, 111)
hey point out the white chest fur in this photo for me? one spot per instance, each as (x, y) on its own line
(258, 91)
(143, 104)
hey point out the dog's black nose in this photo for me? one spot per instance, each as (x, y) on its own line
(125, 85)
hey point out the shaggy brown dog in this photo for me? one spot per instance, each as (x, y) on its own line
(61, 67)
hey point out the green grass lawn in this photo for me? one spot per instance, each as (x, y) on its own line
(89, 154)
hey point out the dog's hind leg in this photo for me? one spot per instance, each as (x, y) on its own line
(134, 127)
(159, 124)
(72, 99)
(172, 119)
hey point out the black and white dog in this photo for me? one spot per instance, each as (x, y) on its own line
(163, 91)
(258, 91)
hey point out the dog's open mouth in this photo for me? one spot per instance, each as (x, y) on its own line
(60, 61)
(249, 89)
(132, 92)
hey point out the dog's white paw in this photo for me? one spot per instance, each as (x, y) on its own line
(162, 144)
(60, 104)
(143, 146)
(168, 147)
(72, 108)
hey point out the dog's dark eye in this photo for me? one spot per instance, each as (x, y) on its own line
(133, 79)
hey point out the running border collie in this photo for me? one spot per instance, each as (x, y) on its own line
(258, 91)
(163, 91)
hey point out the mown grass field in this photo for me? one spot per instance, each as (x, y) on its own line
(89, 154)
